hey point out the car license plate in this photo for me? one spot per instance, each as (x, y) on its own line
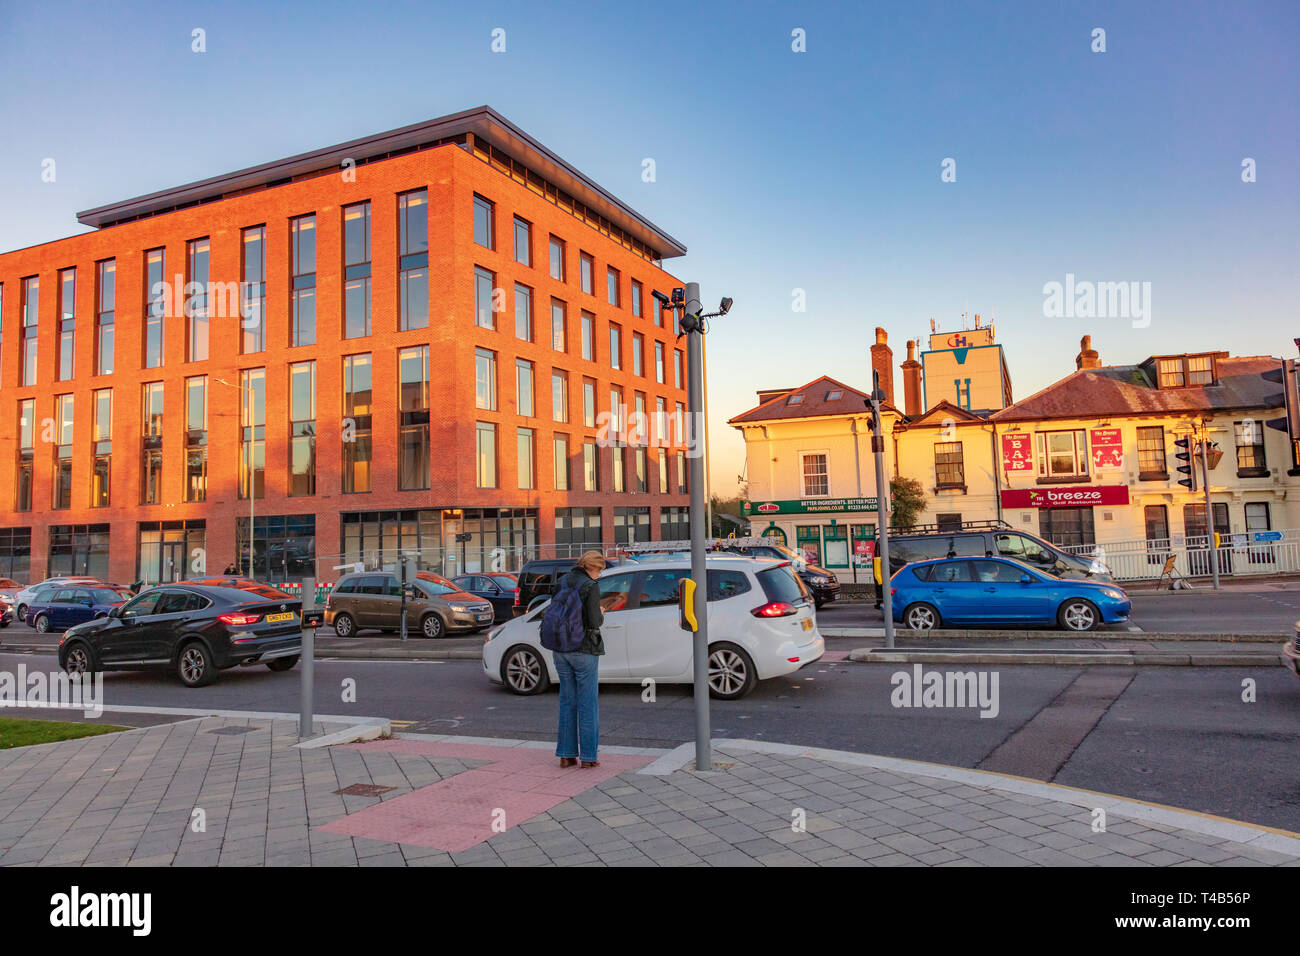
(276, 618)
(807, 624)
(485, 617)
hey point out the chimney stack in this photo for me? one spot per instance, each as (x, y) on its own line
(882, 361)
(912, 382)
(1088, 357)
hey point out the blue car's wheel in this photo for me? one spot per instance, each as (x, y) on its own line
(921, 617)
(1078, 614)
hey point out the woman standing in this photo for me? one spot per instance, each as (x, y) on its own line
(579, 729)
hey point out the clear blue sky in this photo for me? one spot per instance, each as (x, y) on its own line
(779, 170)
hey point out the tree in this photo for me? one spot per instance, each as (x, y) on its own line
(908, 502)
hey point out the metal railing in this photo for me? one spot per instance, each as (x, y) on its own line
(1239, 554)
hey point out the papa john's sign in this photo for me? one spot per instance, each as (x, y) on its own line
(1068, 496)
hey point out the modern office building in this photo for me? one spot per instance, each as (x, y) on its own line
(411, 343)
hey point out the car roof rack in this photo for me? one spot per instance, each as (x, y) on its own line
(994, 525)
(710, 544)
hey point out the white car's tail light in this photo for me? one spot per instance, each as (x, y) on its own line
(775, 609)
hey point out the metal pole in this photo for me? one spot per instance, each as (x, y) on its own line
(308, 657)
(699, 515)
(1209, 509)
(882, 513)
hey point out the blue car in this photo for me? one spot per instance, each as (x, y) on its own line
(955, 591)
(64, 607)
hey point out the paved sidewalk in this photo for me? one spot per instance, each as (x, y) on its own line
(130, 799)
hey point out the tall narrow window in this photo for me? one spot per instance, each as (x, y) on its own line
(302, 429)
(524, 388)
(615, 346)
(590, 467)
(356, 271)
(560, 450)
(484, 222)
(252, 454)
(523, 312)
(638, 353)
(677, 368)
(612, 281)
(63, 451)
(196, 301)
(559, 396)
(589, 402)
(151, 431)
(302, 236)
(105, 312)
(557, 259)
(155, 305)
(356, 423)
(66, 360)
(485, 445)
(683, 486)
(559, 334)
(103, 448)
(252, 304)
(413, 419)
(1251, 462)
(413, 259)
(615, 410)
(523, 242)
(586, 274)
(485, 379)
(196, 438)
(26, 454)
(588, 336)
(663, 472)
(526, 445)
(31, 308)
(1151, 454)
(618, 458)
(484, 282)
(642, 485)
(949, 465)
(659, 362)
(636, 298)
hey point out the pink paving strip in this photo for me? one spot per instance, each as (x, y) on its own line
(457, 813)
(833, 656)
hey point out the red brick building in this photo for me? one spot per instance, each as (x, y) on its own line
(409, 342)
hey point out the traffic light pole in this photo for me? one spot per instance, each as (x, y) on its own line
(1209, 510)
(882, 507)
(694, 329)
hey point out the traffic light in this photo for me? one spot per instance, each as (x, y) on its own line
(1186, 454)
(686, 605)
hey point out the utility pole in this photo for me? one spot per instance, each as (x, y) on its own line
(882, 505)
(1209, 509)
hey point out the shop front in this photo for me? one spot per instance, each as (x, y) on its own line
(829, 531)
(1065, 512)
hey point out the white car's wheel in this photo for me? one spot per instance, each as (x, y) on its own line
(731, 672)
(524, 671)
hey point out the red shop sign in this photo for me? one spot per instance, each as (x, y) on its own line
(1065, 496)
(1017, 452)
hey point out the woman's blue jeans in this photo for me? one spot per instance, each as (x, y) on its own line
(579, 713)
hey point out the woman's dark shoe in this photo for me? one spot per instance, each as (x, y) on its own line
(568, 761)
(590, 763)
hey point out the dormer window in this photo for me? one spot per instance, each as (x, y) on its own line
(832, 396)
(1185, 370)
(795, 400)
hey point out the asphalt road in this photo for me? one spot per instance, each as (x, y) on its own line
(1178, 736)
(1241, 609)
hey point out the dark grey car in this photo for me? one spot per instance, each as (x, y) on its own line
(434, 606)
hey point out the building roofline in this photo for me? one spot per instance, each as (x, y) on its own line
(483, 122)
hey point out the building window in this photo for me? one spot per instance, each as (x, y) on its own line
(523, 313)
(28, 336)
(1258, 519)
(677, 368)
(66, 357)
(560, 452)
(16, 553)
(1171, 372)
(663, 471)
(816, 476)
(683, 482)
(674, 524)
(486, 454)
(26, 454)
(105, 303)
(1200, 370)
(638, 353)
(1157, 533)
(1151, 454)
(413, 419)
(302, 233)
(284, 546)
(151, 430)
(557, 259)
(485, 380)
(559, 334)
(631, 525)
(618, 459)
(559, 396)
(103, 448)
(636, 298)
(413, 260)
(1062, 454)
(484, 222)
(949, 466)
(79, 549)
(356, 271)
(578, 529)
(63, 451)
(155, 305)
(1191, 370)
(588, 336)
(173, 550)
(1067, 527)
(379, 538)
(590, 467)
(524, 388)
(612, 281)
(946, 522)
(616, 423)
(642, 478)
(589, 403)
(356, 423)
(526, 445)
(196, 304)
(615, 346)
(484, 281)
(586, 271)
(302, 429)
(523, 242)
(1250, 450)
(196, 438)
(659, 362)
(252, 452)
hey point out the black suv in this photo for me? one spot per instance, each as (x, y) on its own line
(823, 584)
(539, 578)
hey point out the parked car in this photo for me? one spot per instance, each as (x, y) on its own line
(1291, 652)
(24, 597)
(434, 606)
(195, 629)
(823, 584)
(930, 594)
(6, 612)
(9, 588)
(760, 620)
(61, 607)
(495, 587)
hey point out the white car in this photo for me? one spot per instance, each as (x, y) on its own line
(760, 621)
(25, 596)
